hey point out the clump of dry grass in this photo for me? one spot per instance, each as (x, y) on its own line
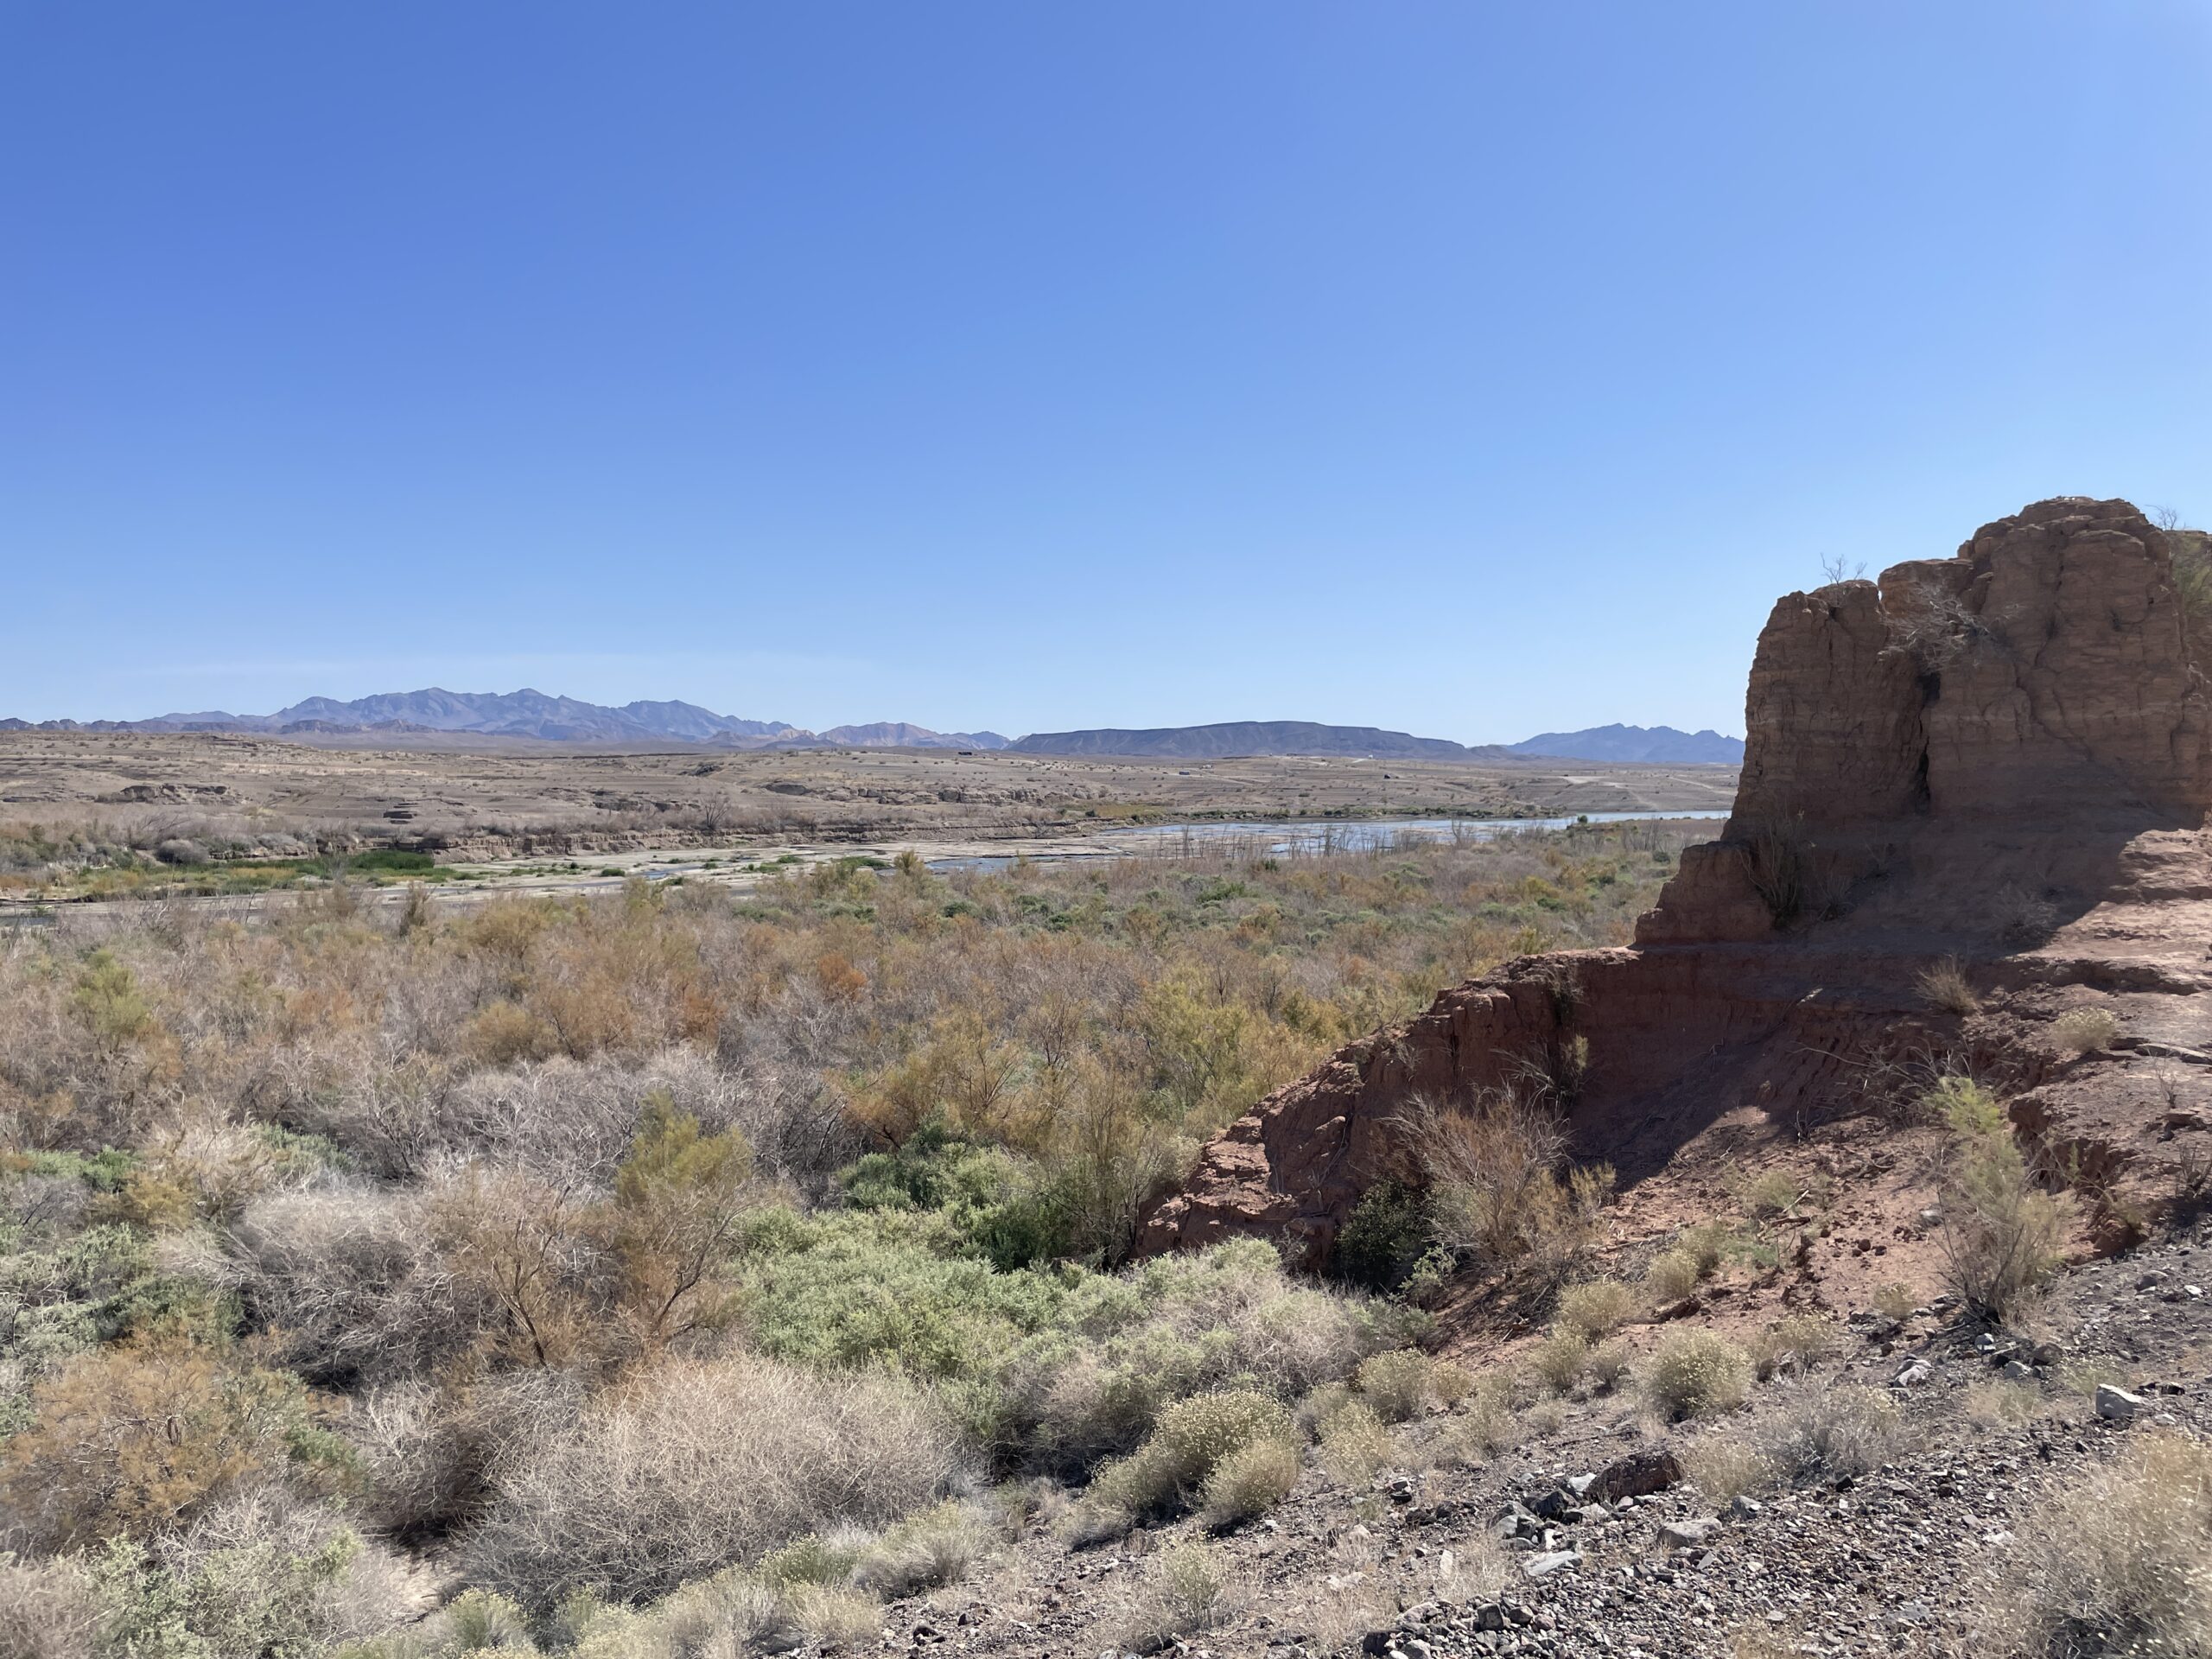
(1489, 1424)
(1406, 1382)
(1724, 1466)
(2004, 1402)
(1355, 1443)
(2122, 1564)
(1896, 1302)
(1250, 1481)
(1797, 1342)
(1945, 987)
(703, 1465)
(834, 1616)
(1609, 1366)
(935, 1547)
(1558, 1361)
(1813, 1435)
(1820, 1434)
(1764, 1196)
(1672, 1275)
(1188, 1445)
(1185, 1591)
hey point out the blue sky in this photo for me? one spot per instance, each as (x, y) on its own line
(1470, 368)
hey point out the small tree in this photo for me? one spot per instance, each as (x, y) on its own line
(1500, 1189)
(677, 1199)
(2002, 1234)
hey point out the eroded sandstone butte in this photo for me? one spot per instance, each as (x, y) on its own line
(2003, 757)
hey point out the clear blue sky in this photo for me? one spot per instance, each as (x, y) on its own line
(1468, 368)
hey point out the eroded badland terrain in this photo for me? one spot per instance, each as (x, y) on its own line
(1788, 1241)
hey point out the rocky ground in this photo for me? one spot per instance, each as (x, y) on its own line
(1556, 1548)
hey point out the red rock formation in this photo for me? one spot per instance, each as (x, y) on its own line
(2005, 756)
(2043, 671)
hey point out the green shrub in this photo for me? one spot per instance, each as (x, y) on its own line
(1696, 1373)
(260, 1579)
(1384, 1236)
(1058, 1367)
(2003, 1236)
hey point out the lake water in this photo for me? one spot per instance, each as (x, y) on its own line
(1276, 839)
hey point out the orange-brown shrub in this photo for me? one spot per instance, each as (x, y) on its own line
(135, 1438)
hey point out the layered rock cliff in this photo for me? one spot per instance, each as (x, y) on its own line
(2003, 757)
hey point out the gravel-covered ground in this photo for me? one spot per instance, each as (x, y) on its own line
(1905, 1558)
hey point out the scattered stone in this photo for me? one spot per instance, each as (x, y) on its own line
(1551, 1562)
(1639, 1475)
(2117, 1405)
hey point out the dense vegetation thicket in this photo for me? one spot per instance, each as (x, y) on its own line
(677, 1261)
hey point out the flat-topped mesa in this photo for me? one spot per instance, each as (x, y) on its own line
(2044, 676)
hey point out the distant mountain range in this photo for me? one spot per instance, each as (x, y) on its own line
(1660, 745)
(1254, 737)
(533, 713)
(528, 713)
